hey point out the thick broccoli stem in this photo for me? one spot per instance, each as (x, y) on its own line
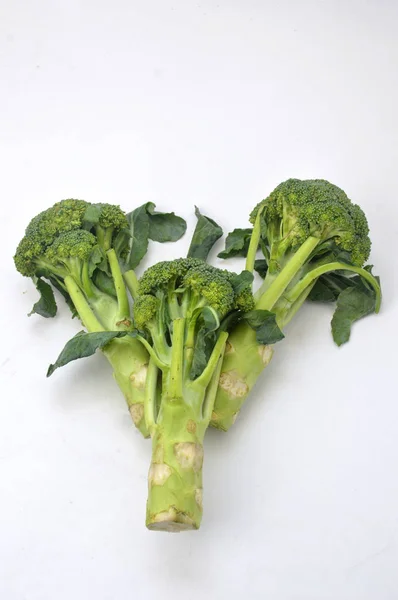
(244, 360)
(175, 475)
(129, 361)
(177, 431)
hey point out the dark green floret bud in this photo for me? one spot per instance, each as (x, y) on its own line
(72, 244)
(112, 216)
(299, 209)
(145, 309)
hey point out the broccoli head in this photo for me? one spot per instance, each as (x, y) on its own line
(188, 284)
(297, 210)
(315, 242)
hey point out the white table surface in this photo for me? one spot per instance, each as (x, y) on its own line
(213, 104)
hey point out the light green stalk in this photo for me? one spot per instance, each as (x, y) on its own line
(85, 313)
(254, 242)
(132, 283)
(175, 476)
(121, 293)
(130, 360)
(245, 358)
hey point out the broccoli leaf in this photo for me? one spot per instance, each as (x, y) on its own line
(206, 336)
(146, 224)
(164, 227)
(206, 233)
(91, 216)
(97, 260)
(139, 235)
(261, 266)
(46, 305)
(210, 318)
(237, 243)
(231, 320)
(83, 344)
(104, 283)
(265, 325)
(242, 281)
(329, 286)
(59, 286)
(204, 344)
(352, 304)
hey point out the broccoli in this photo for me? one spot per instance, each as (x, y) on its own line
(84, 251)
(182, 312)
(315, 242)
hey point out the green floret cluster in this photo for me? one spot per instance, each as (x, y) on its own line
(43, 230)
(314, 242)
(157, 277)
(297, 210)
(145, 309)
(61, 217)
(188, 284)
(77, 243)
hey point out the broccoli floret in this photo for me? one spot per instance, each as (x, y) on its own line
(244, 300)
(110, 219)
(58, 245)
(145, 309)
(184, 308)
(157, 278)
(307, 230)
(63, 216)
(297, 210)
(71, 245)
(188, 284)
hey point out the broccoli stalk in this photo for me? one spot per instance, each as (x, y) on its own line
(308, 231)
(70, 245)
(181, 311)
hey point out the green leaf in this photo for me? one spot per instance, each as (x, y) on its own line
(164, 227)
(206, 233)
(352, 304)
(83, 344)
(264, 250)
(237, 243)
(242, 281)
(328, 287)
(145, 224)
(231, 320)
(204, 344)
(265, 325)
(97, 260)
(91, 216)
(46, 305)
(210, 318)
(60, 287)
(139, 235)
(261, 266)
(104, 283)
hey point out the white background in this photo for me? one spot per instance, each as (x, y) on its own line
(207, 103)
